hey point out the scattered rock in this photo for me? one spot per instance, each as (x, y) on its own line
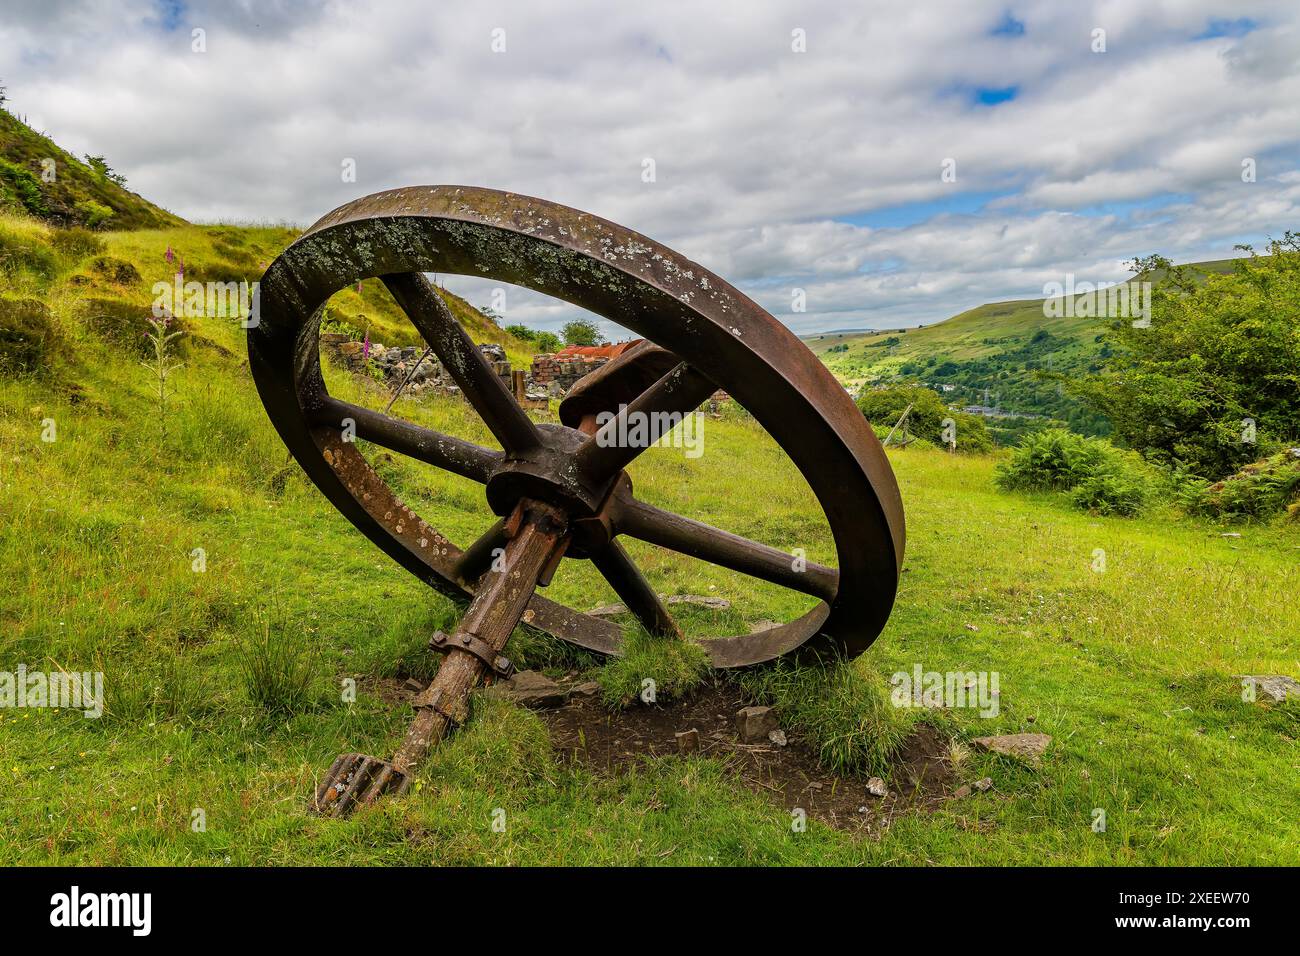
(1027, 746)
(532, 689)
(1274, 687)
(753, 724)
(876, 787)
(413, 685)
(1230, 534)
(688, 741)
(585, 689)
(962, 791)
(971, 627)
(777, 737)
(984, 784)
(758, 627)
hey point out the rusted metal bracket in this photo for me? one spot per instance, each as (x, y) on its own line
(498, 664)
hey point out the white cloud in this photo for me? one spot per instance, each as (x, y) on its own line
(761, 153)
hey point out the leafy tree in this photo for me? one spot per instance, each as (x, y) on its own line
(1217, 355)
(103, 170)
(581, 332)
(548, 342)
(883, 406)
(522, 332)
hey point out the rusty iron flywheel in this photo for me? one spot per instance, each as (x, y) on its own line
(701, 334)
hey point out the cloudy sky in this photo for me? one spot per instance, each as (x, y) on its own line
(793, 146)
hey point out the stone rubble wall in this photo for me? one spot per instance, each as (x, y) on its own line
(394, 364)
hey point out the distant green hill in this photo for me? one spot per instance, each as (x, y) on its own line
(69, 192)
(1010, 355)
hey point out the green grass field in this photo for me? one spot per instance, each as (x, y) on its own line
(1130, 670)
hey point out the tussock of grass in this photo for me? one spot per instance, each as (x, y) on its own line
(676, 667)
(501, 748)
(531, 649)
(845, 712)
(279, 669)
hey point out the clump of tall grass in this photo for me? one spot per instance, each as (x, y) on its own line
(675, 666)
(279, 668)
(844, 712)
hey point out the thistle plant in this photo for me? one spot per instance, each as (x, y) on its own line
(163, 362)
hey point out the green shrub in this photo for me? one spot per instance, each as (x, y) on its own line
(1258, 491)
(1098, 476)
(1113, 491)
(19, 186)
(1051, 460)
(94, 214)
(332, 324)
(25, 252)
(29, 337)
(883, 407)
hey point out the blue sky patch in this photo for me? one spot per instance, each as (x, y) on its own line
(991, 96)
(170, 13)
(1223, 27)
(1008, 26)
(909, 214)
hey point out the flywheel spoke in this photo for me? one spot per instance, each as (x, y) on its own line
(463, 361)
(434, 448)
(645, 420)
(727, 550)
(630, 584)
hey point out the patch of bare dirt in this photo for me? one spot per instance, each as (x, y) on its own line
(921, 778)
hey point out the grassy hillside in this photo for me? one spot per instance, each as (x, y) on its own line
(77, 195)
(1007, 354)
(104, 282)
(1130, 671)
